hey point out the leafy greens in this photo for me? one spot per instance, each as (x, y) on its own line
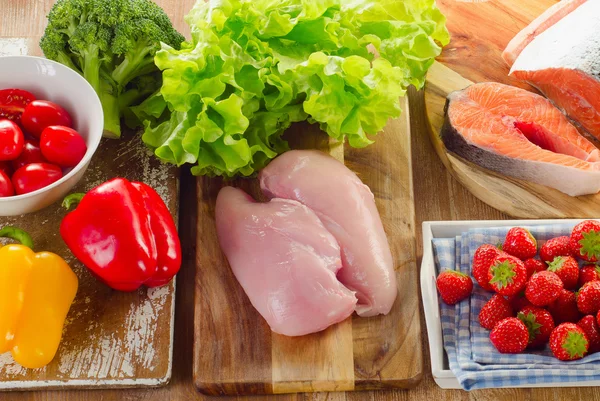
(253, 67)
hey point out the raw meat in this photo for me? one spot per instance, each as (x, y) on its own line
(520, 134)
(563, 61)
(347, 209)
(285, 260)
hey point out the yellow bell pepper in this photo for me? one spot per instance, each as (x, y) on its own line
(36, 293)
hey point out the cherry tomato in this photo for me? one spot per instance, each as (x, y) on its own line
(62, 145)
(40, 114)
(13, 102)
(6, 187)
(31, 154)
(35, 176)
(11, 140)
(6, 168)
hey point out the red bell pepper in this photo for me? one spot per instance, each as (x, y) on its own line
(124, 234)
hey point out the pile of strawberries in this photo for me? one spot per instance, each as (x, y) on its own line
(537, 301)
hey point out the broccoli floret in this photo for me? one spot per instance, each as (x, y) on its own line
(112, 44)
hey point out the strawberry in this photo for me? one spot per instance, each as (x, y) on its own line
(554, 247)
(494, 310)
(510, 336)
(507, 275)
(539, 323)
(482, 260)
(454, 286)
(534, 266)
(567, 269)
(588, 298)
(564, 308)
(568, 342)
(519, 301)
(590, 327)
(585, 240)
(543, 288)
(520, 243)
(590, 272)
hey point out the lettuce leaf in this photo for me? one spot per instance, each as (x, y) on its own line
(254, 67)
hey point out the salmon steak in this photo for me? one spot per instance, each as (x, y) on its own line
(520, 134)
(559, 54)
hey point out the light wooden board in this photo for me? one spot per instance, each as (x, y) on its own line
(234, 350)
(111, 339)
(474, 56)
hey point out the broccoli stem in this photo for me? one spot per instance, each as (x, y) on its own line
(136, 62)
(112, 119)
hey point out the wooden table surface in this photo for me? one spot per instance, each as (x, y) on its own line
(438, 197)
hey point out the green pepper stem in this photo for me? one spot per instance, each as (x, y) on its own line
(72, 199)
(18, 235)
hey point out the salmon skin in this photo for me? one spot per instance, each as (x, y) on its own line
(520, 134)
(560, 56)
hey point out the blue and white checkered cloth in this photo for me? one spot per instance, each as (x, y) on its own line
(471, 356)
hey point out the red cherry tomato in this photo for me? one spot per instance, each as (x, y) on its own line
(62, 145)
(13, 102)
(35, 176)
(6, 168)
(6, 187)
(31, 154)
(11, 140)
(40, 114)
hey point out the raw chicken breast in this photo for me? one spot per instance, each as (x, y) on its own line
(285, 260)
(347, 209)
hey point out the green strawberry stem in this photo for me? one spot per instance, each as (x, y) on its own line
(575, 344)
(590, 244)
(503, 274)
(533, 327)
(556, 264)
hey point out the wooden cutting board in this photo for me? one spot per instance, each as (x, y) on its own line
(112, 339)
(235, 352)
(480, 31)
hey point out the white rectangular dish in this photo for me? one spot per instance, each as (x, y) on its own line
(442, 374)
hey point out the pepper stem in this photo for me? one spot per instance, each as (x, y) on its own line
(72, 199)
(18, 235)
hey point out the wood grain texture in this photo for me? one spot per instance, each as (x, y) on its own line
(515, 197)
(438, 196)
(357, 354)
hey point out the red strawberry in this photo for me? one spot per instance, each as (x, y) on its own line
(510, 336)
(588, 298)
(482, 260)
(590, 327)
(543, 288)
(554, 247)
(494, 310)
(507, 275)
(539, 323)
(564, 308)
(587, 273)
(454, 286)
(520, 243)
(567, 269)
(585, 240)
(519, 301)
(568, 342)
(534, 266)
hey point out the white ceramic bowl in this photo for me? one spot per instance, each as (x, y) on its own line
(52, 81)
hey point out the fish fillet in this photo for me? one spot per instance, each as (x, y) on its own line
(347, 208)
(520, 134)
(563, 62)
(285, 260)
(536, 27)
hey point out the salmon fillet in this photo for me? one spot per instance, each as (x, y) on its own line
(563, 60)
(520, 134)
(550, 17)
